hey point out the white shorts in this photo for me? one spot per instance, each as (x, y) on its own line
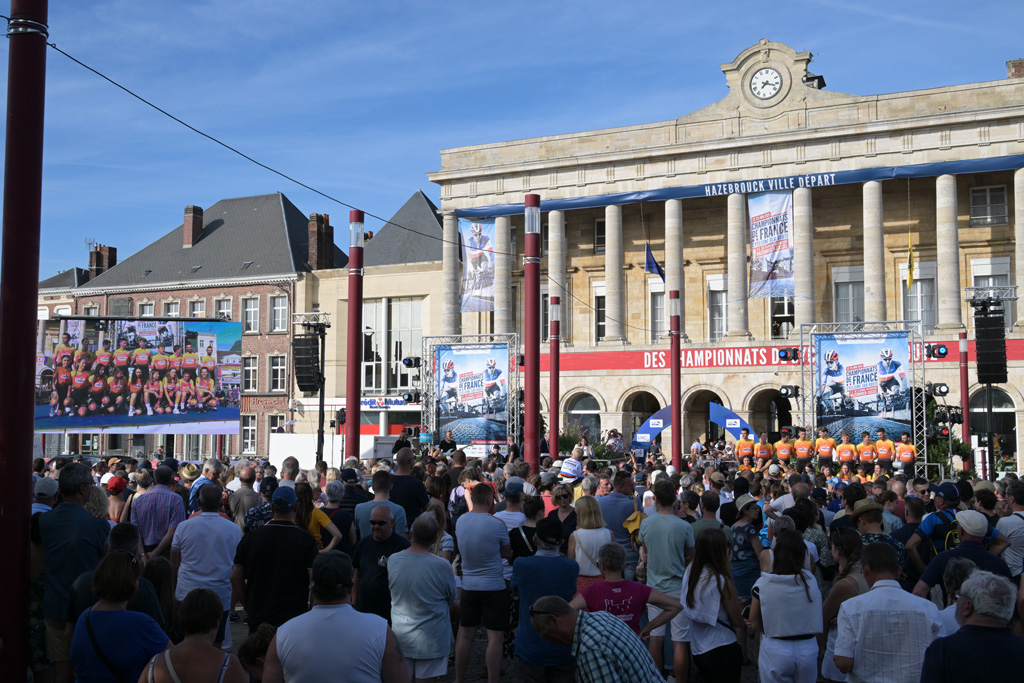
(426, 668)
(680, 625)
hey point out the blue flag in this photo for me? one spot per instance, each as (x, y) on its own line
(651, 266)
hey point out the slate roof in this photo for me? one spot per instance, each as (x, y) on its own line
(267, 230)
(68, 279)
(393, 244)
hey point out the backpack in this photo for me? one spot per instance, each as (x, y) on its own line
(945, 535)
(632, 523)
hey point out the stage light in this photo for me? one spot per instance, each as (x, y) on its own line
(936, 389)
(936, 351)
(411, 362)
(789, 391)
(789, 354)
(411, 397)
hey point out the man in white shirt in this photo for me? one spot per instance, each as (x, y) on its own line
(883, 634)
(203, 552)
(1012, 526)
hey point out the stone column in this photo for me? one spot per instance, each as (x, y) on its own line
(803, 259)
(947, 241)
(614, 277)
(1018, 241)
(675, 278)
(451, 317)
(736, 262)
(503, 323)
(874, 252)
(556, 268)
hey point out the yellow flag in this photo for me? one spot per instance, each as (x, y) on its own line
(910, 262)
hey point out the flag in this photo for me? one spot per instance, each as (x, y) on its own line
(910, 262)
(651, 266)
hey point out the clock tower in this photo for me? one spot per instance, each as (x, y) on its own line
(769, 78)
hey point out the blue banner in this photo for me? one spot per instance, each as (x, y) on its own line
(728, 420)
(771, 244)
(477, 265)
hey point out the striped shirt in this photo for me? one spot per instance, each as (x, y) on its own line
(607, 651)
(157, 511)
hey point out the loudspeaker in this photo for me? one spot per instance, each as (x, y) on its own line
(990, 348)
(306, 356)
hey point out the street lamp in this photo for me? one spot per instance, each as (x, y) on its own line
(355, 331)
(675, 365)
(554, 338)
(531, 271)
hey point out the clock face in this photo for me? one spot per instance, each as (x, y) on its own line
(765, 83)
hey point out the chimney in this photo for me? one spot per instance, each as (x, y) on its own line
(193, 224)
(1015, 68)
(328, 253)
(101, 259)
(317, 244)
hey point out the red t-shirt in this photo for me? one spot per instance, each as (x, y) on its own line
(626, 600)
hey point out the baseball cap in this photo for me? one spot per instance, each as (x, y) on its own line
(284, 497)
(743, 501)
(571, 470)
(105, 479)
(268, 485)
(113, 461)
(548, 478)
(549, 530)
(170, 462)
(717, 477)
(640, 478)
(332, 569)
(984, 485)
(973, 522)
(46, 488)
(774, 470)
(116, 485)
(350, 476)
(820, 495)
(514, 487)
(948, 491)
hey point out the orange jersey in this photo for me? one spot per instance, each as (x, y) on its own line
(80, 379)
(80, 354)
(116, 385)
(744, 447)
(135, 386)
(209, 362)
(906, 452)
(185, 386)
(804, 449)
(176, 362)
(824, 447)
(764, 450)
(160, 361)
(103, 357)
(190, 361)
(867, 451)
(122, 357)
(204, 385)
(155, 386)
(142, 356)
(846, 452)
(61, 376)
(98, 384)
(60, 351)
(885, 449)
(784, 449)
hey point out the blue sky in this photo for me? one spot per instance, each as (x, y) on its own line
(357, 99)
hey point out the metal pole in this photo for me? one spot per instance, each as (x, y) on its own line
(531, 267)
(322, 329)
(354, 357)
(554, 338)
(675, 366)
(23, 177)
(991, 476)
(965, 388)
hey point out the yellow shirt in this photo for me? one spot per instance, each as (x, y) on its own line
(784, 449)
(825, 447)
(804, 449)
(745, 447)
(885, 449)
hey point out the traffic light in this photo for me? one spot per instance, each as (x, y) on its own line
(789, 354)
(411, 362)
(935, 351)
(789, 391)
(936, 389)
(938, 432)
(411, 396)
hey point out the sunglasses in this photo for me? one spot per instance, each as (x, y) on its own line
(377, 522)
(562, 496)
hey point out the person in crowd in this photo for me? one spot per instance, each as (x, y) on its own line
(666, 546)
(314, 520)
(407, 490)
(985, 642)
(45, 490)
(616, 508)
(848, 583)
(260, 514)
(203, 552)
(370, 591)
(454, 472)
(521, 538)
(512, 514)
(289, 472)
(564, 512)
(253, 652)
(709, 505)
(381, 490)
(245, 497)
(957, 571)
(746, 546)
(882, 635)
(689, 506)
(1012, 527)
(545, 573)
(143, 485)
(913, 510)
(972, 527)
(354, 491)
(341, 519)
(422, 587)
(444, 544)
(197, 658)
(867, 519)
(436, 489)
(938, 530)
(160, 574)
(370, 653)
(718, 634)
(786, 609)
(213, 471)
(73, 542)
(586, 541)
(605, 649)
(270, 576)
(95, 655)
(115, 503)
(483, 542)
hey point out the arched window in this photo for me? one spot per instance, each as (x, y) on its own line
(1004, 421)
(585, 411)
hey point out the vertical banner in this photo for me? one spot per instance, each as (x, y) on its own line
(471, 392)
(477, 265)
(863, 383)
(771, 244)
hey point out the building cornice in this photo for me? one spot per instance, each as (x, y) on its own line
(285, 278)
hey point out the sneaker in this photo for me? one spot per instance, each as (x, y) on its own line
(149, 410)
(131, 412)
(176, 411)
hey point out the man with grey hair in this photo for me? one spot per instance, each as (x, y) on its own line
(985, 641)
(244, 497)
(289, 472)
(212, 472)
(957, 571)
(589, 486)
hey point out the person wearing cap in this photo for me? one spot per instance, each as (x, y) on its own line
(370, 559)
(115, 487)
(939, 528)
(272, 565)
(261, 513)
(971, 528)
(746, 545)
(45, 495)
(354, 491)
(867, 519)
(158, 513)
(370, 652)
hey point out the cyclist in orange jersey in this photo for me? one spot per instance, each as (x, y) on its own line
(867, 452)
(885, 450)
(846, 451)
(804, 450)
(825, 448)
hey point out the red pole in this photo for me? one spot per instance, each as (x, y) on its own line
(354, 360)
(555, 314)
(675, 370)
(965, 388)
(19, 288)
(531, 268)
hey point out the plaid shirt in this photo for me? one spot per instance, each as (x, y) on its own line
(257, 516)
(157, 511)
(607, 651)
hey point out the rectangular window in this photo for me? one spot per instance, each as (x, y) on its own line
(278, 313)
(659, 318)
(599, 236)
(848, 304)
(224, 309)
(405, 339)
(172, 309)
(782, 319)
(545, 314)
(277, 373)
(275, 423)
(718, 307)
(91, 310)
(988, 206)
(919, 303)
(248, 433)
(599, 323)
(197, 309)
(249, 373)
(997, 280)
(374, 346)
(250, 315)
(146, 310)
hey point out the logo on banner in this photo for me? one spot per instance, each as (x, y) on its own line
(643, 438)
(656, 424)
(771, 244)
(477, 265)
(732, 424)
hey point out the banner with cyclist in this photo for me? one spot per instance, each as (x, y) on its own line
(477, 265)
(863, 383)
(471, 392)
(771, 244)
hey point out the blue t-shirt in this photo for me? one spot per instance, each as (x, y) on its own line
(616, 509)
(362, 516)
(546, 573)
(74, 542)
(945, 519)
(481, 538)
(128, 655)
